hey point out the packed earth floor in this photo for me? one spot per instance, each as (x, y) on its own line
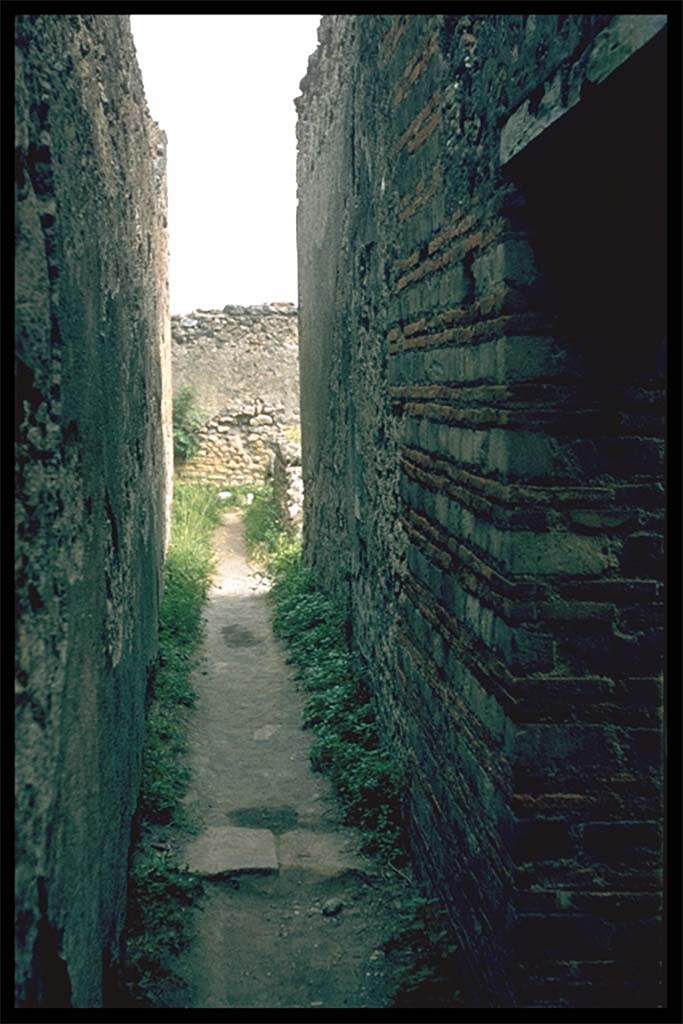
(293, 916)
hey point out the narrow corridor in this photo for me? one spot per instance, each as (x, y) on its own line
(293, 917)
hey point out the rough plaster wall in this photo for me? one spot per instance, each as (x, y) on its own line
(350, 435)
(324, 189)
(163, 325)
(92, 472)
(509, 388)
(242, 364)
(238, 354)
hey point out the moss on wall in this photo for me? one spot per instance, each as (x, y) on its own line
(481, 292)
(92, 481)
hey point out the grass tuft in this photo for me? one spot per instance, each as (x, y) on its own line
(339, 708)
(160, 893)
(269, 540)
(187, 421)
(367, 777)
(421, 947)
(187, 574)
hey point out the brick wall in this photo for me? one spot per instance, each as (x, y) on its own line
(481, 340)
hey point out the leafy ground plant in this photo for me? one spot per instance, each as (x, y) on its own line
(269, 541)
(367, 778)
(187, 421)
(160, 893)
(339, 708)
(423, 952)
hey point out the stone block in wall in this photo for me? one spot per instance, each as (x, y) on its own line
(479, 493)
(238, 442)
(550, 554)
(288, 485)
(226, 356)
(643, 556)
(511, 262)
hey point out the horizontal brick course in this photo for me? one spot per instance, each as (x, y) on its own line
(485, 473)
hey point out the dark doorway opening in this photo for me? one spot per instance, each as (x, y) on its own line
(595, 184)
(595, 212)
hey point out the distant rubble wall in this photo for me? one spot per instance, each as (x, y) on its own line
(93, 471)
(236, 445)
(242, 364)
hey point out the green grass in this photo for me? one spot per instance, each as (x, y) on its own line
(268, 538)
(367, 777)
(187, 421)
(338, 708)
(187, 573)
(262, 523)
(161, 897)
(160, 893)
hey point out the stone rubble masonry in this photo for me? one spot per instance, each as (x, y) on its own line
(288, 485)
(481, 320)
(242, 364)
(93, 478)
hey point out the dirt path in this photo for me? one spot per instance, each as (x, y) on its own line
(293, 916)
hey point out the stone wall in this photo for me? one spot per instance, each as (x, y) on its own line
(482, 276)
(242, 365)
(236, 446)
(93, 465)
(288, 486)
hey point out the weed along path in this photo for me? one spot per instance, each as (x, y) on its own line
(292, 915)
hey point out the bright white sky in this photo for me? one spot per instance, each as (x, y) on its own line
(222, 87)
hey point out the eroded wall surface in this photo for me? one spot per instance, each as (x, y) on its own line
(235, 447)
(482, 290)
(93, 465)
(238, 353)
(242, 365)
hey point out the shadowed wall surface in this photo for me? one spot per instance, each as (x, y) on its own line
(93, 472)
(481, 235)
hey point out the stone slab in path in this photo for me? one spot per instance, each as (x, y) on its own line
(327, 853)
(226, 850)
